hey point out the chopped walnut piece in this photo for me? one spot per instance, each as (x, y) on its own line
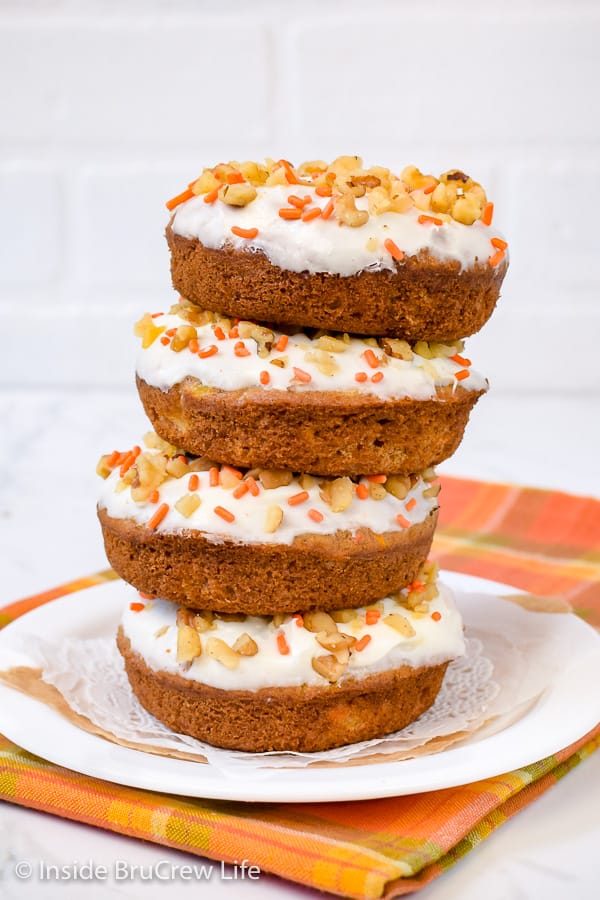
(147, 330)
(347, 213)
(149, 472)
(223, 653)
(421, 348)
(335, 641)
(317, 620)
(343, 615)
(398, 486)
(202, 621)
(279, 619)
(264, 337)
(306, 482)
(400, 624)
(377, 491)
(237, 194)
(273, 519)
(154, 442)
(432, 491)
(182, 337)
(245, 645)
(177, 467)
(323, 361)
(331, 344)
(205, 183)
(274, 478)
(193, 314)
(328, 667)
(279, 361)
(189, 645)
(396, 348)
(340, 494)
(188, 504)
(102, 469)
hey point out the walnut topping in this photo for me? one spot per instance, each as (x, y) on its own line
(188, 504)
(147, 330)
(154, 442)
(398, 486)
(396, 348)
(331, 344)
(245, 645)
(274, 478)
(328, 667)
(223, 653)
(337, 493)
(264, 337)
(317, 621)
(202, 621)
(273, 519)
(183, 335)
(400, 624)
(237, 194)
(343, 615)
(189, 646)
(335, 641)
(322, 360)
(432, 491)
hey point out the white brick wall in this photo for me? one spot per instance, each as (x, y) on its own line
(107, 109)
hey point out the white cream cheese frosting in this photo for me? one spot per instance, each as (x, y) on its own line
(392, 378)
(248, 513)
(322, 245)
(437, 637)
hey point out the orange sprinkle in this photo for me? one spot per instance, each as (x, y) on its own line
(298, 498)
(282, 644)
(311, 214)
(165, 341)
(315, 515)
(462, 374)
(240, 490)
(410, 505)
(487, 214)
(416, 585)
(154, 497)
(240, 349)
(224, 513)
(252, 486)
(156, 315)
(112, 459)
(299, 620)
(182, 459)
(360, 377)
(235, 178)
(372, 616)
(290, 175)
(327, 210)
(208, 351)
(180, 198)
(301, 375)
(290, 212)
(193, 346)
(371, 359)
(127, 464)
(498, 243)
(145, 596)
(362, 491)
(211, 196)
(231, 471)
(170, 332)
(496, 258)
(234, 332)
(264, 377)
(461, 360)
(377, 479)
(282, 343)
(219, 333)
(158, 516)
(298, 202)
(213, 476)
(402, 520)
(244, 232)
(193, 483)
(433, 219)
(364, 641)
(136, 607)
(324, 191)
(430, 188)
(436, 616)
(393, 249)
(377, 377)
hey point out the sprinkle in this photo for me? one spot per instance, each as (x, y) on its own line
(416, 585)
(433, 219)
(393, 249)
(240, 490)
(498, 243)
(298, 620)
(154, 497)
(156, 315)
(436, 616)
(487, 214)
(377, 479)
(461, 360)
(324, 191)
(290, 212)
(371, 359)
(315, 515)
(193, 483)
(158, 516)
(362, 491)
(496, 258)
(360, 645)
(360, 377)
(462, 374)
(170, 332)
(282, 644)
(402, 520)
(129, 460)
(410, 504)
(235, 178)
(430, 188)
(193, 345)
(327, 210)
(372, 616)
(208, 351)
(145, 596)
(298, 202)
(301, 375)
(211, 196)
(234, 332)
(290, 175)
(231, 471)
(377, 377)
(213, 476)
(180, 198)
(165, 341)
(240, 349)
(219, 333)
(136, 607)
(264, 377)
(310, 214)
(298, 498)
(224, 513)
(248, 233)
(282, 343)
(252, 486)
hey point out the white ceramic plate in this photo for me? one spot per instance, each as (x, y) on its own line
(563, 713)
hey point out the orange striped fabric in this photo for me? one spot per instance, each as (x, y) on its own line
(541, 541)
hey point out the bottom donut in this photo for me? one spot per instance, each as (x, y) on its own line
(290, 683)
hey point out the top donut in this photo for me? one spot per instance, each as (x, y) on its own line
(339, 246)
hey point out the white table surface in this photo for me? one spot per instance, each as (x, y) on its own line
(51, 440)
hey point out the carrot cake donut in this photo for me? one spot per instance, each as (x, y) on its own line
(339, 246)
(264, 540)
(316, 402)
(302, 682)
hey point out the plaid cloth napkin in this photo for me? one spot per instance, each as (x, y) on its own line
(544, 542)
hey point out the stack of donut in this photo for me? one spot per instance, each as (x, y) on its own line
(276, 524)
